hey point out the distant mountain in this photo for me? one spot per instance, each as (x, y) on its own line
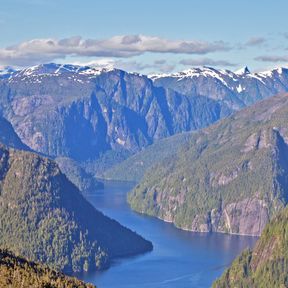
(231, 177)
(7, 72)
(44, 217)
(266, 265)
(18, 272)
(243, 71)
(83, 113)
(84, 181)
(236, 90)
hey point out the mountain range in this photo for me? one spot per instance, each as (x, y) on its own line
(90, 114)
(236, 89)
(230, 177)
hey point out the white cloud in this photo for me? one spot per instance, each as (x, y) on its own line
(42, 50)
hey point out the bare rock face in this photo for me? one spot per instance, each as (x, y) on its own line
(266, 264)
(247, 217)
(81, 113)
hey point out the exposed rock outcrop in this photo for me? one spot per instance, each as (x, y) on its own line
(266, 264)
(231, 177)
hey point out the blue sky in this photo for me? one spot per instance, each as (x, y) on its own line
(145, 36)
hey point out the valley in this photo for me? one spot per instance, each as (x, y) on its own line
(143, 144)
(205, 160)
(179, 258)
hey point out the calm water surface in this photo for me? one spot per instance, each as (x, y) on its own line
(179, 259)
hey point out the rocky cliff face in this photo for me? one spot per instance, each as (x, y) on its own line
(82, 112)
(237, 90)
(246, 217)
(230, 177)
(266, 264)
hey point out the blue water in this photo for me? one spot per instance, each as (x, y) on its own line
(179, 259)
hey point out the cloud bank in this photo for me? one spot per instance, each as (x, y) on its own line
(124, 46)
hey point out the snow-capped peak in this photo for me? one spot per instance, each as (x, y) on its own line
(54, 70)
(7, 72)
(242, 71)
(189, 73)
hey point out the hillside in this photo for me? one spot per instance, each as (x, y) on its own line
(266, 265)
(134, 168)
(9, 137)
(17, 272)
(44, 217)
(83, 180)
(103, 116)
(230, 177)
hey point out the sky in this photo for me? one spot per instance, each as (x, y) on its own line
(145, 36)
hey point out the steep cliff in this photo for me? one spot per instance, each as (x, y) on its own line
(266, 265)
(92, 115)
(81, 112)
(230, 177)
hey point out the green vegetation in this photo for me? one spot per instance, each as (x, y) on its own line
(134, 167)
(266, 265)
(17, 272)
(44, 217)
(230, 177)
(83, 180)
(105, 161)
(9, 137)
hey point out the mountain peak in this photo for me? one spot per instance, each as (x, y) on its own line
(6, 72)
(54, 69)
(243, 71)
